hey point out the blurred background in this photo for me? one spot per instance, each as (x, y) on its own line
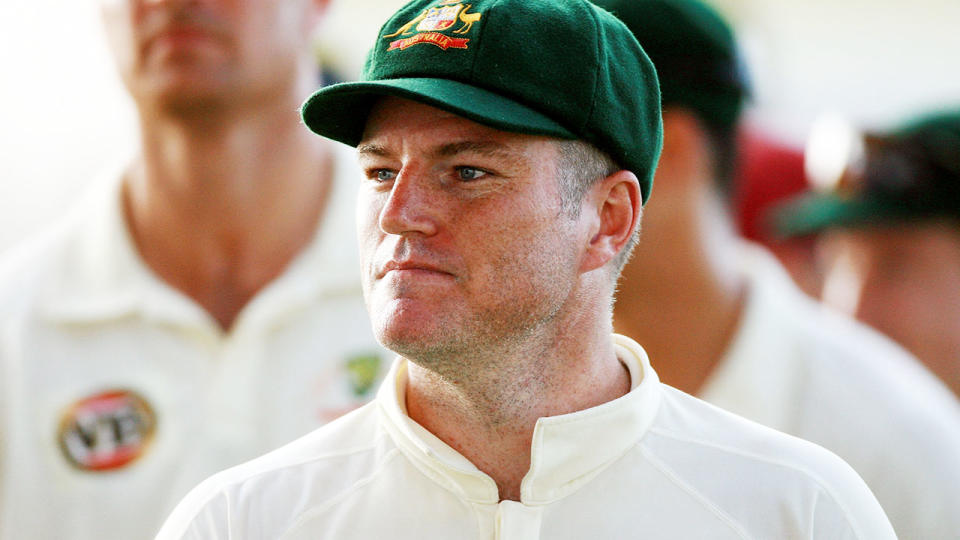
(65, 117)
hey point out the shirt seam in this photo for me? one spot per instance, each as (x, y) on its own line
(816, 478)
(702, 499)
(311, 512)
(221, 490)
(813, 512)
(315, 458)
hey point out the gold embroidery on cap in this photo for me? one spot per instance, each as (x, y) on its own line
(434, 20)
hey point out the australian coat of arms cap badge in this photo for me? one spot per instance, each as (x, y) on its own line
(433, 23)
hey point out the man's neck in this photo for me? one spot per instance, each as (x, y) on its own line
(218, 206)
(489, 415)
(686, 293)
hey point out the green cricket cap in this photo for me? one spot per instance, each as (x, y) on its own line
(694, 52)
(561, 68)
(908, 174)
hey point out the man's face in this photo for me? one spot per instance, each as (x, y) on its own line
(903, 280)
(188, 52)
(464, 246)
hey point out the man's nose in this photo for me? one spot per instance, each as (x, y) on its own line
(410, 207)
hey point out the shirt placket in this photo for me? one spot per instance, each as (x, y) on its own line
(518, 521)
(233, 395)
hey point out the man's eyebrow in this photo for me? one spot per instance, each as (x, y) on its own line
(485, 148)
(367, 149)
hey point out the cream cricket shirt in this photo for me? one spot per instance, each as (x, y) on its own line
(653, 464)
(118, 394)
(798, 368)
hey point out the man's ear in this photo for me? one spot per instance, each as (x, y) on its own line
(615, 206)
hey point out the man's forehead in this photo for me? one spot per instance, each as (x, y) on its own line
(394, 121)
(390, 111)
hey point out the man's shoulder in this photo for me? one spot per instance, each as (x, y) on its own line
(826, 356)
(823, 332)
(354, 436)
(839, 343)
(858, 373)
(778, 309)
(744, 469)
(686, 420)
(305, 474)
(805, 369)
(45, 264)
(31, 263)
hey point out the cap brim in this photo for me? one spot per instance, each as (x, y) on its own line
(814, 212)
(340, 111)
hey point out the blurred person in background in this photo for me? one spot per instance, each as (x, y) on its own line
(721, 318)
(203, 305)
(891, 248)
(768, 172)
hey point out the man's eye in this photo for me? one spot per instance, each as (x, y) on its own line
(383, 175)
(470, 173)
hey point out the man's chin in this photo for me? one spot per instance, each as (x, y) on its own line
(186, 92)
(404, 344)
(189, 103)
(418, 343)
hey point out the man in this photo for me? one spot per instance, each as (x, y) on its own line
(892, 237)
(507, 147)
(722, 320)
(203, 306)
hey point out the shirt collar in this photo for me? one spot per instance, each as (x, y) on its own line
(101, 276)
(98, 274)
(567, 450)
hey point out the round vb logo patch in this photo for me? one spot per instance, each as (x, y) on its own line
(106, 431)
